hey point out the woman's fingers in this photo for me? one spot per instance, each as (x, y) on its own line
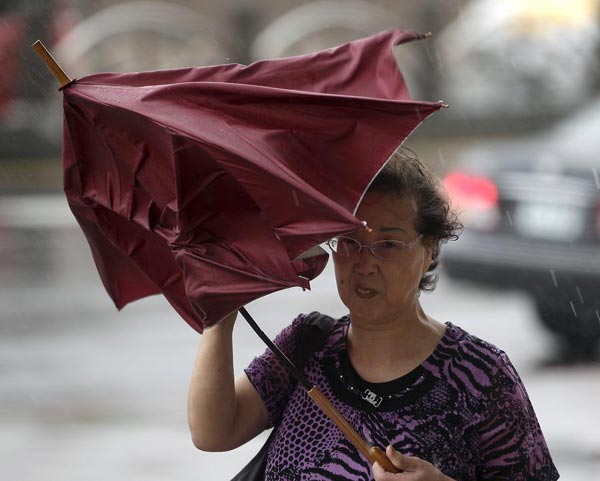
(402, 462)
(411, 469)
(378, 472)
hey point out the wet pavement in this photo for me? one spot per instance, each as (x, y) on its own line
(89, 393)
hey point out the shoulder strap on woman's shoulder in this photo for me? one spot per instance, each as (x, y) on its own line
(312, 336)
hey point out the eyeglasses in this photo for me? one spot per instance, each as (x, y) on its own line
(383, 249)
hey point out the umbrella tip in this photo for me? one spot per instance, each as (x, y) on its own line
(443, 105)
(365, 226)
(426, 35)
(61, 77)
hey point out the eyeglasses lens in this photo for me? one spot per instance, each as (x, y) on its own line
(346, 246)
(380, 250)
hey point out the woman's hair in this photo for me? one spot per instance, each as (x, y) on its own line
(405, 175)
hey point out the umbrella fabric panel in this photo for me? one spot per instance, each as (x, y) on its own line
(302, 157)
(364, 67)
(133, 262)
(142, 246)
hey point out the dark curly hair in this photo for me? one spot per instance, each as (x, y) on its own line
(405, 175)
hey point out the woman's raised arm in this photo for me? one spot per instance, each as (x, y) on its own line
(223, 412)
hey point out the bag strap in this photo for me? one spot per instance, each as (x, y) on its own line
(311, 337)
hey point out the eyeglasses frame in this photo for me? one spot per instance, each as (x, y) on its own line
(406, 245)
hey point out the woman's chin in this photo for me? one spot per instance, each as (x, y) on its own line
(367, 309)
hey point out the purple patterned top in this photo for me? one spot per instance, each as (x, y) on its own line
(464, 409)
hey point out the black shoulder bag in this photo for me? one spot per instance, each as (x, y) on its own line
(312, 336)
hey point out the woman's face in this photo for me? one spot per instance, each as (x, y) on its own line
(376, 290)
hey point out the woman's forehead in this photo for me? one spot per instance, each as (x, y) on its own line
(382, 210)
(399, 205)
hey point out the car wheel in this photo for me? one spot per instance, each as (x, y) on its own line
(577, 327)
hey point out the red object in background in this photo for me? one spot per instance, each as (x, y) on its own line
(471, 192)
(12, 32)
(207, 184)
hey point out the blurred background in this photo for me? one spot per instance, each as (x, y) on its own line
(89, 393)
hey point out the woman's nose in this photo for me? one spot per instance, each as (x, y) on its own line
(365, 262)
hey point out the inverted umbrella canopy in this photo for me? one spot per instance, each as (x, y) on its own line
(210, 184)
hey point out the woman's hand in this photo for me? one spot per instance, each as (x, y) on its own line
(412, 469)
(228, 321)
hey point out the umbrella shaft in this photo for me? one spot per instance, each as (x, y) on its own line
(372, 453)
(273, 347)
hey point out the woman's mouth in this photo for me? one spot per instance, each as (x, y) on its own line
(365, 292)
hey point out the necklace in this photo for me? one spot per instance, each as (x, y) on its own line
(366, 393)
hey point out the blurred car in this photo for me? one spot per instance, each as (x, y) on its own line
(531, 209)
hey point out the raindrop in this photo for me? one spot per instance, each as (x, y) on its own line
(598, 315)
(596, 177)
(295, 198)
(442, 70)
(579, 294)
(441, 155)
(428, 52)
(573, 308)
(509, 218)
(554, 277)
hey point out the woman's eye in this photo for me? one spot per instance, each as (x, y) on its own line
(389, 244)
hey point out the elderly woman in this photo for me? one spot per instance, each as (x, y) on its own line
(447, 405)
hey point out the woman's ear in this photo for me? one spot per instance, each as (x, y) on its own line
(427, 255)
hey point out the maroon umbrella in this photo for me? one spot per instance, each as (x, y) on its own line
(210, 184)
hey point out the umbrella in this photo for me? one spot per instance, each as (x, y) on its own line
(215, 185)
(210, 184)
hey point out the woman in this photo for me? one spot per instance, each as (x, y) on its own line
(448, 405)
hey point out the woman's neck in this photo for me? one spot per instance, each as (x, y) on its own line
(389, 350)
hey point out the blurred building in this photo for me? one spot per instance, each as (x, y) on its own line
(520, 58)
(494, 62)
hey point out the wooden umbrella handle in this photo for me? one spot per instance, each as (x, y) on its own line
(378, 455)
(59, 74)
(372, 453)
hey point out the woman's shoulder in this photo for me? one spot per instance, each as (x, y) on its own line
(466, 343)
(462, 351)
(319, 318)
(304, 324)
(332, 333)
